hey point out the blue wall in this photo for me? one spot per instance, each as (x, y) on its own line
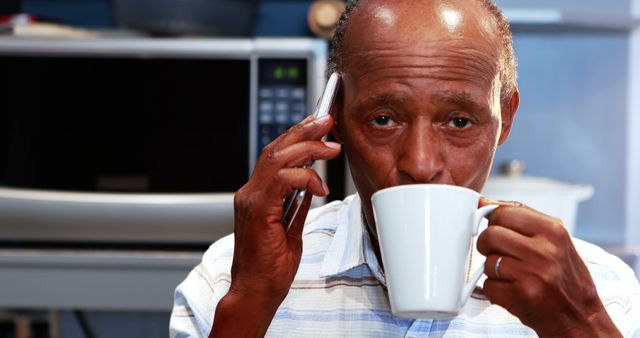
(83, 13)
(274, 18)
(571, 123)
(282, 18)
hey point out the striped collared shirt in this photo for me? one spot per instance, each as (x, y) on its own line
(340, 291)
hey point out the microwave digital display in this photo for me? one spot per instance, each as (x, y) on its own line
(282, 97)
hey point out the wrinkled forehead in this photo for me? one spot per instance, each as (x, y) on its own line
(422, 27)
(420, 20)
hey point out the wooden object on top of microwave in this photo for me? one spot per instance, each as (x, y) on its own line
(52, 30)
(324, 15)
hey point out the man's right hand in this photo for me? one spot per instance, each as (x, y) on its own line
(266, 257)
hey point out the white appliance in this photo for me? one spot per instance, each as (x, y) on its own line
(549, 196)
(141, 140)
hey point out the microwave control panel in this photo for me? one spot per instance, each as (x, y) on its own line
(282, 97)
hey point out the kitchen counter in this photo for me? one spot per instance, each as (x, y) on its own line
(92, 279)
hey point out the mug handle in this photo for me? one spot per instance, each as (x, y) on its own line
(478, 215)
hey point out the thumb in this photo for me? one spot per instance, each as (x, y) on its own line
(484, 201)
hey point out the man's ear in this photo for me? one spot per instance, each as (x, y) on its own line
(509, 108)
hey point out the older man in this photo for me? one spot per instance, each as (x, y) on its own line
(429, 93)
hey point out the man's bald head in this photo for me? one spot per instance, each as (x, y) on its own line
(483, 16)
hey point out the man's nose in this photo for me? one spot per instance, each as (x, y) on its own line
(422, 157)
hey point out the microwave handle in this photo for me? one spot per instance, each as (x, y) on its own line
(58, 216)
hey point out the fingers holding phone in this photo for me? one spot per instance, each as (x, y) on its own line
(293, 202)
(266, 255)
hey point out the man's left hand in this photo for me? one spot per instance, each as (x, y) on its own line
(541, 278)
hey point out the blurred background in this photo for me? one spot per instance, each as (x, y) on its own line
(126, 125)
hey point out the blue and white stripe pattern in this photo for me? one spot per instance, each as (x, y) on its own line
(339, 290)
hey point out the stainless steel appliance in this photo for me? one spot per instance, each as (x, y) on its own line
(141, 140)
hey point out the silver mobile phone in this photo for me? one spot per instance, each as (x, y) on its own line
(293, 203)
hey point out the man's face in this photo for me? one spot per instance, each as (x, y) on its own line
(421, 99)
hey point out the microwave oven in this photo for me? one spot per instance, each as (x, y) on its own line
(141, 140)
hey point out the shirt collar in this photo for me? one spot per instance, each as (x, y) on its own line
(351, 246)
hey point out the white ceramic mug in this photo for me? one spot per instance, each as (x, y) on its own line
(425, 233)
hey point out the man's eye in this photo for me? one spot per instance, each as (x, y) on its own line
(383, 121)
(460, 123)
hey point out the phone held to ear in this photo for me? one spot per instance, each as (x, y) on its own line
(293, 203)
